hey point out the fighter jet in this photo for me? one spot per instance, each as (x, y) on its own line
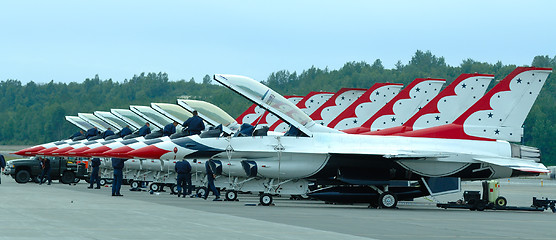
(389, 168)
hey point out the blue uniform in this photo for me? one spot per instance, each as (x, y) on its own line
(183, 169)
(45, 164)
(95, 164)
(293, 131)
(125, 131)
(107, 133)
(2, 161)
(194, 125)
(91, 133)
(118, 165)
(210, 180)
(77, 134)
(144, 130)
(169, 129)
(2, 165)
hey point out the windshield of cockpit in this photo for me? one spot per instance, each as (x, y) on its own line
(94, 119)
(80, 122)
(109, 117)
(175, 111)
(211, 111)
(132, 117)
(272, 98)
(153, 115)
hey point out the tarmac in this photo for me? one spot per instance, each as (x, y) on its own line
(58, 211)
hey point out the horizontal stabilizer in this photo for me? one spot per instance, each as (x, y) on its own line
(515, 163)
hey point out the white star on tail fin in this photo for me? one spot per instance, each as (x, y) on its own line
(499, 114)
(405, 104)
(365, 106)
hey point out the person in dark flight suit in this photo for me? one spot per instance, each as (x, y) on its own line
(145, 129)
(125, 131)
(118, 165)
(183, 169)
(107, 133)
(194, 124)
(95, 164)
(2, 166)
(45, 165)
(210, 180)
(91, 132)
(170, 129)
(77, 134)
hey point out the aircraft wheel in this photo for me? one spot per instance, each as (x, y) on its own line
(135, 184)
(387, 200)
(102, 181)
(22, 176)
(472, 204)
(155, 187)
(501, 202)
(174, 188)
(231, 195)
(481, 206)
(266, 199)
(67, 177)
(201, 192)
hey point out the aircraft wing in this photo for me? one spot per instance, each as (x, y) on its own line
(515, 163)
(415, 155)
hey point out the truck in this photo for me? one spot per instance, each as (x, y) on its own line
(29, 169)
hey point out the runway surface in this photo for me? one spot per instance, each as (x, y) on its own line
(32, 211)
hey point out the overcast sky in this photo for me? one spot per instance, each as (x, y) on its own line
(68, 41)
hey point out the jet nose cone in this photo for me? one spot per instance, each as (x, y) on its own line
(150, 152)
(120, 152)
(29, 151)
(95, 152)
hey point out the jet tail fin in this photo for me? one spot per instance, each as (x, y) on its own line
(405, 104)
(445, 107)
(499, 114)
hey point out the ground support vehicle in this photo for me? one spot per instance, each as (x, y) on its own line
(490, 199)
(29, 169)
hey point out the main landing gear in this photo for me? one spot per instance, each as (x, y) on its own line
(265, 199)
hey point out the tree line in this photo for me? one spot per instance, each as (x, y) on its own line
(34, 113)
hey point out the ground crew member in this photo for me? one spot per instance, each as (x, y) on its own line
(95, 163)
(107, 133)
(2, 166)
(194, 124)
(210, 186)
(183, 169)
(91, 132)
(77, 134)
(170, 129)
(145, 129)
(125, 131)
(118, 165)
(45, 165)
